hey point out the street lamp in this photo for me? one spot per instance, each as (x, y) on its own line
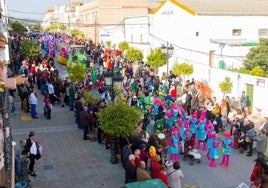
(118, 80)
(108, 77)
(113, 79)
(168, 51)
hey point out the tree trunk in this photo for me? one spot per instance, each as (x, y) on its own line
(113, 158)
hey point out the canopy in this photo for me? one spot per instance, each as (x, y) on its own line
(154, 183)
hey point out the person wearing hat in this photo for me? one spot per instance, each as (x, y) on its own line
(32, 149)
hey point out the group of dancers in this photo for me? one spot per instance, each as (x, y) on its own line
(196, 130)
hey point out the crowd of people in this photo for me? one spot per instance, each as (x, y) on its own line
(178, 110)
(183, 115)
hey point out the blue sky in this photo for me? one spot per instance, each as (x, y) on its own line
(18, 7)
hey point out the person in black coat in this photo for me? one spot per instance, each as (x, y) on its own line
(31, 148)
(85, 120)
(130, 169)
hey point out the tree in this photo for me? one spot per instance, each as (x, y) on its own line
(89, 98)
(257, 56)
(257, 71)
(123, 46)
(182, 69)
(28, 48)
(18, 27)
(77, 33)
(76, 72)
(37, 27)
(62, 27)
(226, 86)
(134, 54)
(118, 119)
(108, 43)
(156, 58)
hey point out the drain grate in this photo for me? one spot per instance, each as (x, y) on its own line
(48, 167)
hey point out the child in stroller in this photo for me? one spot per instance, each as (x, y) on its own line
(189, 151)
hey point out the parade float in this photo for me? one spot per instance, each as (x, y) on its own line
(77, 55)
(62, 55)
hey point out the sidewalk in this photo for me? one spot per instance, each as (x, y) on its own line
(68, 161)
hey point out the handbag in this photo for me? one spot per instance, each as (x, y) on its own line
(39, 151)
(247, 139)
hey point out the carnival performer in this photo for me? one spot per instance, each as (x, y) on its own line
(163, 89)
(155, 108)
(193, 127)
(227, 144)
(174, 145)
(201, 133)
(210, 137)
(213, 151)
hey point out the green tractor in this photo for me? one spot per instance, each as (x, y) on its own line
(77, 55)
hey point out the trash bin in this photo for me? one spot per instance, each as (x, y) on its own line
(221, 65)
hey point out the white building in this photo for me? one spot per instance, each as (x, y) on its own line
(228, 29)
(4, 27)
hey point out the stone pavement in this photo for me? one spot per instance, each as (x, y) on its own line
(68, 161)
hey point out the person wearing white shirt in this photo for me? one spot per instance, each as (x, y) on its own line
(33, 103)
(32, 150)
(51, 92)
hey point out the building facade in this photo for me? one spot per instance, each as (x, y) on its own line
(99, 20)
(210, 36)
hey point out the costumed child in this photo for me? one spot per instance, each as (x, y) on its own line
(227, 144)
(213, 151)
(155, 108)
(193, 125)
(174, 145)
(210, 137)
(201, 133)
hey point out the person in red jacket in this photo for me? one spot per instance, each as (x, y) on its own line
(155, 166)
(162, 175)
(257, 173)
(173, 91)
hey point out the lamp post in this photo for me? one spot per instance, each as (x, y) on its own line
(168, 51)
(113, 79)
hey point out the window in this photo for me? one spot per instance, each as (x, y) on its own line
(263, 32)
(237, 32)
(196, 33)
(141, 38)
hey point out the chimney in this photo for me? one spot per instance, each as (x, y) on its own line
(211, 58)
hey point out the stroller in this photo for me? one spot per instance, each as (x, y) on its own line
(189, 151)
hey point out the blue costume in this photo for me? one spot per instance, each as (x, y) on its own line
(201, 131)
(213, 151)
(226, 146)
(174, 148)
(193, 122)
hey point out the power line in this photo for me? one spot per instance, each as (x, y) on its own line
(24, 12)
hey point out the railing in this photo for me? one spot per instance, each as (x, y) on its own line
(4, 106)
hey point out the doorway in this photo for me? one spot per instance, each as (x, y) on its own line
(249, 96)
